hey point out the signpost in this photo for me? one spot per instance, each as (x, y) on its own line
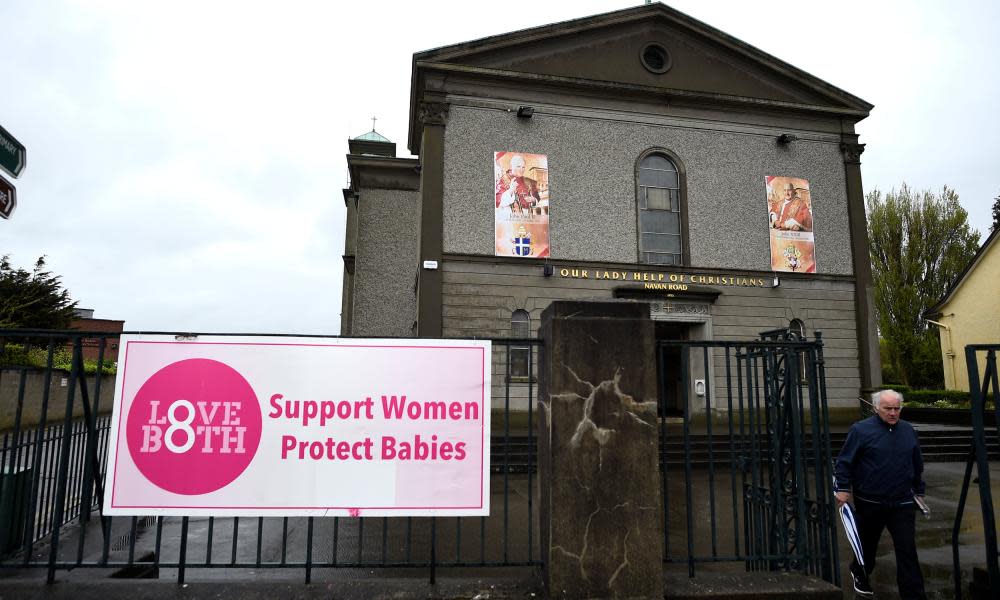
(253, 426)
(8, 198)
(12, 154)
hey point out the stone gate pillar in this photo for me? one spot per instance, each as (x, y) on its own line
(600, 506)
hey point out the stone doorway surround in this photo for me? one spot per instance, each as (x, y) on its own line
(696, 316)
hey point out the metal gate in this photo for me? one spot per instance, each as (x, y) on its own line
(56, 388)
(981, 391)
(745, 455)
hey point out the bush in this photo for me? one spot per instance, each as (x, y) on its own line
(928, 397)
(941, 399)
(24, 355)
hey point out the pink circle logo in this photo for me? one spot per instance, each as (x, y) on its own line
(194, 426)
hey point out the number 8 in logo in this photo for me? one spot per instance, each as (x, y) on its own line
(176, 425)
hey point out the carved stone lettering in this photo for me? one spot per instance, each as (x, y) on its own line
(678, 308)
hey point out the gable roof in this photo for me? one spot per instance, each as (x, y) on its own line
(708, 63)
(935, 310)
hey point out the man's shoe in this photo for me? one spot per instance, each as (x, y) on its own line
(862, 589)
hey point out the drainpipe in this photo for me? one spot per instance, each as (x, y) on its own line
(950, 352)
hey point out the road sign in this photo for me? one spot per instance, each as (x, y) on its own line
(12, 153)
(8, 198)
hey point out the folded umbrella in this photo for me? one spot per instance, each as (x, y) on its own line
(851, 529)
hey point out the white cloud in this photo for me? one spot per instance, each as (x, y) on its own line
(185, 159)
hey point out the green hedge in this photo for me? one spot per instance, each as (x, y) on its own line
(20, 355)
(940, 398)
(899, 387)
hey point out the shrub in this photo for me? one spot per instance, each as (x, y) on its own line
(928, 397)
(941, 399)
(22, 355)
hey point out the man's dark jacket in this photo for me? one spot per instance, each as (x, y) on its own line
(881, 462)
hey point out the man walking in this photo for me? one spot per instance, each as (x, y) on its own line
(880, 467)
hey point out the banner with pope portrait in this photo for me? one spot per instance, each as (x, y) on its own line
(790, 224)
(521, 209)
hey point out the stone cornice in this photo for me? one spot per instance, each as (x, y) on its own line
(421, 111)
(403, 172)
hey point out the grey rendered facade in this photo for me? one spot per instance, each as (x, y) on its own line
(718, 112)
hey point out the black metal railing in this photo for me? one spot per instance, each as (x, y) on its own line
(980, 390)
(54, 453)
(18, 450)
(767, 503)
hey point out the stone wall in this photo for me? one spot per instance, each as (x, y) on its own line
(386, 263)
(34, 385)
(592, 164)
(479, 297)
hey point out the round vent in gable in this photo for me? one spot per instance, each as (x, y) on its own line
(655, 58)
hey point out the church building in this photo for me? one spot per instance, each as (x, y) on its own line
(639, 155)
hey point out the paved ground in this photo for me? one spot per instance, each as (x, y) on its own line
(373, 589)
(933, 535)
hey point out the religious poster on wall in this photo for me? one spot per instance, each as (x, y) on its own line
(790, 223)
(521, 212)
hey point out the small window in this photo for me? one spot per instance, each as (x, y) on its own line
(520, 324)
(520, 355)
(659, 208)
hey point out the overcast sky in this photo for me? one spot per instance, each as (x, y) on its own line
(186, 159)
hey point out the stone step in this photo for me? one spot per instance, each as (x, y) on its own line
(937, 445)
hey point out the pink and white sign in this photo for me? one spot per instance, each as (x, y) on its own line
(220, 425)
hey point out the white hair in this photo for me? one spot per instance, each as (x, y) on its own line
(516, 158)
(877, 397)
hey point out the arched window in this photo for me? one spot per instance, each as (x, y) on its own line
(519, 356)
(520, 324)
(660, 210)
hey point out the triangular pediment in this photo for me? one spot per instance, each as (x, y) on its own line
(608, 48)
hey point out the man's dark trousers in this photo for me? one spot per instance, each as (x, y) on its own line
(872, 518)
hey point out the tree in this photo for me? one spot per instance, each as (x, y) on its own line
(920, 242)
(33, 300)
(996, 214)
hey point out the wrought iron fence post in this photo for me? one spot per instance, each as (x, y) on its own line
(182, 558)
(309, 548)
(827, 451)
(957, 527)
(686, 400)
(92, 463)
(39, 445)
(821, 464)
(15, 453)
(433, 550)
(978, 398)
(63, 473)
(796, 479)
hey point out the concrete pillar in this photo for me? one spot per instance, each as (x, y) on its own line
(600, 506)
(864, 285)
(433, 116)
